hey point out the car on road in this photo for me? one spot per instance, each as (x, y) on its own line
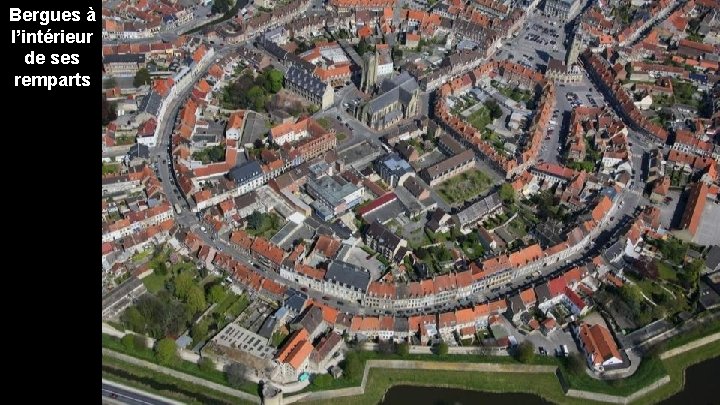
(542, 351)
(325, 298)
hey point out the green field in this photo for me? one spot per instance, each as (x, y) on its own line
(464, 186)
(480, 118)
(545, 385)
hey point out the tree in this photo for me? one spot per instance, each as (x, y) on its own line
(235, 373)
(109, 82)
(403, 349)
(493, 108)
(441, 349)
(275, 80)
(128, 341)
(575, 364)
(195, 300)
(397, 53)
(206, 364)
(133, 319)
(255, 220)
(221, 6)
(183, 283)
(109, 111)
(216, 293)
(507, 194)
(166, 351)
(362, 47)
(524, 352)
(141, 77)
(199, 330)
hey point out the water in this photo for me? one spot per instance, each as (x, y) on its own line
(700, 388)
(406, 394)
(701, 382)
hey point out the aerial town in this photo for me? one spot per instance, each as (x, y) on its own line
(295, 192)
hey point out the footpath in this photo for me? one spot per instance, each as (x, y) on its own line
(182, 376)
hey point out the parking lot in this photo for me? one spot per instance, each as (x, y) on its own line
(535, 44)
(552, 341)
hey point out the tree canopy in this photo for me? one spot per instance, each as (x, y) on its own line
(507, 194)
(221, 6)
(525, 352)
(166, 351)
(142, 76)
(441, 349)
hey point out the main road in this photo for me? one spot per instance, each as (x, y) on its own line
(629, 200)
(117, 393)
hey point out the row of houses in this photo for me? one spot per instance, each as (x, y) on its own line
(513, 73)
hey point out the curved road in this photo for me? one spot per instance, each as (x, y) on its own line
(609, 230)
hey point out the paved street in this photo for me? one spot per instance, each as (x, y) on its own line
(530, 38)
(119, 393)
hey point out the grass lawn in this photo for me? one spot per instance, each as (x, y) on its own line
(480, 118)
(155, 282)
(675, 368)
(515, 93)
(277, 338)
(270, 224)
(666, 271)
(187, 367)
(546, 385)
(108, 168)
(650, 370)
(380, 380)
(140, 256)
(238, 307)
(464, 186)
(162, 384)
(518, 227)
(418, 238)
(697, 333)
(340, 136)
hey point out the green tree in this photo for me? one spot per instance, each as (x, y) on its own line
(221, 6)
(275, 79)
(507, 194)
(109, 111)
(109, 82)
(206, 364)
(493, 108)
(195, 300)
(133, 319)
(128, 341)
(216, 293)
(441, 349)
(524, 352)
(403, 349)
(183, 283)
(575, 364)
(362, 47)
(142, 76)
(255, 220)
(199, 330)
(166, 351)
